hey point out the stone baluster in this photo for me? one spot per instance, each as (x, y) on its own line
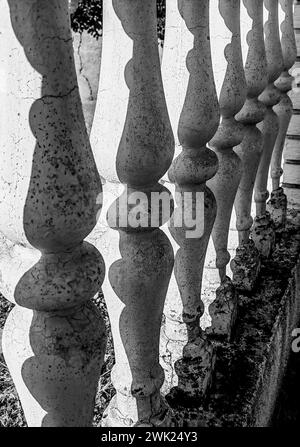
(139, 255)
(177, 42)
(277, 205)
(246, 264)
(189, 172)
(291, 167)
(225, 183)
(53, 339)
(262, 230)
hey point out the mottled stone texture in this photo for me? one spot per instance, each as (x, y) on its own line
(277, 206)
(225, 183)
(189, 172)
(262, 231)
(140, 259)
(55, 353)
(245, 265)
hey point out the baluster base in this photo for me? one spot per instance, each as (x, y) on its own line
(194, 371)
(223, 311)
(185, 415)
(263, 234)
(246, 266)
(277, 207)
(55, 359)
(194, 383)
(159, 413)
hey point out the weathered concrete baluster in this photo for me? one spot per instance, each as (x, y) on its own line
(190, 170)
(50, 197)
(142, 260)
(177, 43)
(226, 181)
(262, 230)
(277, 205)
(246, 264)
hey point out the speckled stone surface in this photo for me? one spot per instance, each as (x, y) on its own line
(54, 353)
(140, 260)
(250, 149)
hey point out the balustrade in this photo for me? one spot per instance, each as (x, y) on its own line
(50, 196)
(246, 264)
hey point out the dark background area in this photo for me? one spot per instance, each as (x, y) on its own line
(88, 17)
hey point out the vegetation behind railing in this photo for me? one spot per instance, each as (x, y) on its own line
(88, 17)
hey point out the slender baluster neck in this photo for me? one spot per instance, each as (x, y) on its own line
(253, 110)
(288, 41)
(199, 119)
(55, 353)
(275, 63)
(288, 46)
(233, 92)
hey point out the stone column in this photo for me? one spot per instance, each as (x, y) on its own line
(246, 264)
(225, 183)
(262, 231)
(195, 164)
(277, 206)
(140, 256)
(53, 339)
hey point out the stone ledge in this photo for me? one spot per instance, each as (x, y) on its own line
(249, 370)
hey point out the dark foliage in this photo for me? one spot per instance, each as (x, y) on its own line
(88, 16)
